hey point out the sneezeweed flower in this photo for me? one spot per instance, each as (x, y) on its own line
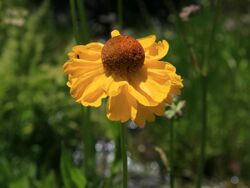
(128, 73)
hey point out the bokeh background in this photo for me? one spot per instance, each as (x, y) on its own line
(42, 128)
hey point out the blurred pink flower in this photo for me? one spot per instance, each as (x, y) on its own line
(187, 11)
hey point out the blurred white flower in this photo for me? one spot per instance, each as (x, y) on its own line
(15, 17)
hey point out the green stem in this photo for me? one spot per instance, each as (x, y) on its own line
(120, 13)
(171, 146)
(83, 21)
(86, 128)
(215, 7)
(203, 130)
(123, 135)
(74, 21)
(203, 77)
(88, 141)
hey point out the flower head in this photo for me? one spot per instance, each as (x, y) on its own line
(127, 72)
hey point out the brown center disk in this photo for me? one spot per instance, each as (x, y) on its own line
(122, 55)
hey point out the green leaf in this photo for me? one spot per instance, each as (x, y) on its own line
(21, 182)
(72, 176)
(5, 169)
(78, 178)
(65, 168)
(48, 181)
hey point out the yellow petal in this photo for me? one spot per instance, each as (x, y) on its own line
(140, 96)
(94, 100)
(157, 51)
(71, 81)
(71, 55)
(121, 107)
(93, 93)
(79, 85)
(155, 64)
(147, 41)
(85, 80)
(151, 86)
(89, 52)
(155, 90)
(176, 79)
(115, 33)
(171, 70)
(158, 110)
(174, 91)
(77, 68)
(145, 113)
(94, 46)
(113, 85)
(170, 67)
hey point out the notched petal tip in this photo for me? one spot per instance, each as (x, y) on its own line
(157, 50)
(165, 47)
(115, 33)
(147, 41)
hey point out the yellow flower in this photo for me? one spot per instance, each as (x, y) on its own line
(128, 72)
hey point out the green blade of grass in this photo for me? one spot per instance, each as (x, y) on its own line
(74, 21)
(83, 26)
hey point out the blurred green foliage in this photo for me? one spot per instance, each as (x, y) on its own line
(37, 113)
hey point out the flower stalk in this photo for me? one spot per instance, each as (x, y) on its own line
(88, 147)
(123, 136)
(203, 130)
(204, 90)
(171, 146)
(123, 133)
(202, 70)
(86, 128)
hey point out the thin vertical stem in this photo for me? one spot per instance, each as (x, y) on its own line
(120, 13)
(83, 21)
(123, 135)
(88, 144)
(171, 146)
(74, 21)
(86, 128)
(215, 7)
(203, 77)
(203, 130)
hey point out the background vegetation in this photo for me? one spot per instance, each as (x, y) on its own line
(41, 127)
